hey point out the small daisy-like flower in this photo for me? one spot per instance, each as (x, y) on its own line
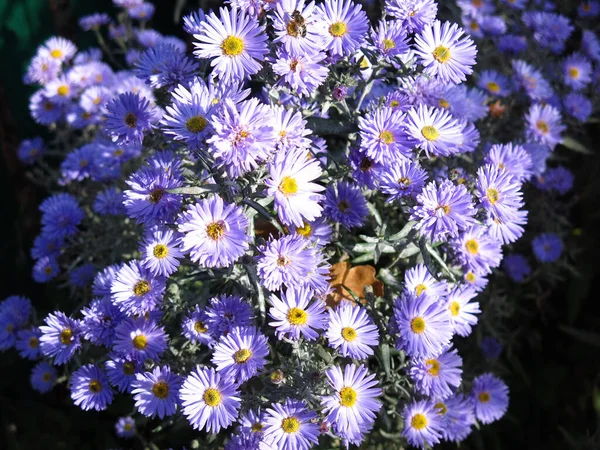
(294, 317)
(531, 80)
(345, 203)
(61, 215)
(236, 41)
(208, 400)
(43, 377)
(253, 422)
(457, 417)
(99, 321)
(511, 157)
(446, 52)
(59, 48)
(160, 252)
(94, 21)
(136, 290)
(383, 135)
(352, 407)
(443, 210)
(30, 150)
(42, 69)
(156, 393)
(300, 74)
(414, 14)
(516, 267)
(494, 83)
(104, 279)
(140, 339)
(491, 348)
(462, 309)
(544, 124)
(44, 110)
(60, 337)
(121, 372)
(195, 327)
(499, 192)
(422, 424)
(318, 232)
(402, 179)
(424, 325)
(418, 281)
(390, 39)
(291, 179)
(240, 354)
(437, 377)
(434, 130)
(290, 425)
(547, 247)
(290, 129)
(344, 26)
(477, 250)
(28, 343)
(125, 427)
(352, 331)
(192, 23)
(128, 117)
(296, 27)
(90, 389)
(215, 232)
(227, 312)
(578, 106)
(490, 397)
(45, 269)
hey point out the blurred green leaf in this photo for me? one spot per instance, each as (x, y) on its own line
(589, 337)
(576, 146)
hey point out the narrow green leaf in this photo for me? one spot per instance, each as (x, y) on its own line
(194, 190)
(576, 146)
(385, 359)
(404, 232)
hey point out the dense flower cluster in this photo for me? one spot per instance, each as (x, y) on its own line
(225, 188)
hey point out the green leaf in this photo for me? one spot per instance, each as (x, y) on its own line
(588, 337)
(194, 190)
(404, 232)
(576, 146)
(410, 250)
(385, 359)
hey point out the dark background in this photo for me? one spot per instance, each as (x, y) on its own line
(553, 374)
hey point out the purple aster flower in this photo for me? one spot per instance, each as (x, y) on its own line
(414, 14)
(390, 39)
(544, 124)
(227, 312)
(125, 427)
(291, 129)
(236, 41)
(94, 21)
(59, 48)
(402, 179)
(383, 136)
(136, 290)
(446, 52)
(244, 136)
(516, 267)
(140, 339)
(437, 377)
(498, 192)
(477, 250)
(578, 106)
(434, 130)
(83, 275)
(31, 150)
(215, 232)
(61, 215)
(291, 183)
(551, 30)
(547, 247)
(559, 179)
(300, 74)
(577, 71)
(100, 320)
(443, 210)
(477, 282)
(296, 27)
(352, 407)
(351, 331)
(422, 424)
(43, 377)
(588, 9)
(290, 425)
(511, 157)
(293, 317)
(192, 23)
(109, 202)
(209, 400)
(476, 8)
(240, 354)
(44, 110)
(424, 325)
(156, 393)
(18, 307)
(345, 203)
(366, 172)
(104, 280)
(77, 165)
(60, 337)
(195, 327)
(462, 309)
(160, 251)
(418, 281)
(42, 69)
(253, 422)
(318, 232)
(147, 200)
(590, 45)
(491, 347)
(45, 269)
(128, 117)
(494, 83)
(165, 66)
(343, 26)
(143, 11)
(530, 80)
(121, 372)
(90, 389)
(44, 245)
(28, 343)
(457, 416)
(490, 397)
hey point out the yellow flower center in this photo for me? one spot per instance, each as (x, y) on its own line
(455, 307)
(156, 195)
(386, 137)
(542, 125)
(343, 206)
(493, 195)
(297, 316)
(128, 426)
(417, 325)
(573, 72)
(241, 356)
(160, 389)
(484, 397)
(441, 408)
(212, 397)
(388, 44)
(200, 327)
(65, 336)
(142, 287)
(304, 230)
(472, 246)
(290, 425)
(418, 421)
(95, 386)
(493, 86)
(196, 124)
(34, 342)
(232, 46)
(420, 288)
(131, 120)
(129, 367)
(405, 181)
(160, 251)
(430, 133)
(63, 90)
(347, 396)
(288, 186)
(119, 152)
(470, 277)
(434, 370)
(140, 342)
(215, 230)
(257, 427)
(441, 54)
(56, 53)
(349, 334)
(444, 103)
(47, 376)
(337, 29)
